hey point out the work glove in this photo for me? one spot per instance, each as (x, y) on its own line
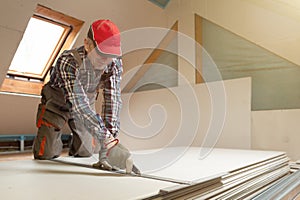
(103, 162)
(136, 170)
(103, 165)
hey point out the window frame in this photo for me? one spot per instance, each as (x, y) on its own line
(53, 55)
(30, 83)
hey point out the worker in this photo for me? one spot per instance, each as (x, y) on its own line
(70, 95)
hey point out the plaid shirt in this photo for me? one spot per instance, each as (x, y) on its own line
(80, 84)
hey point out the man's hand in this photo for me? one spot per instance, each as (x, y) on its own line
(103, 162)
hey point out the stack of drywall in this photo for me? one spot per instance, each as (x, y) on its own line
(238, 174)
(209, 173)
(168, 173)
(295, 165)
(286, 188)
(249, 181)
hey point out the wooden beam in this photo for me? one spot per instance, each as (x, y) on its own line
(153, 57)
(23, 87)
(199, 42)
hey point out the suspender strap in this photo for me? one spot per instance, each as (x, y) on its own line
(77, 57)
(79, 61)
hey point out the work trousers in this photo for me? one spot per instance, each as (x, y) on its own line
(52, 115)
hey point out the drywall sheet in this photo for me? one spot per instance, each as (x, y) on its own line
(237, 57)
(277, 130)
(24, 109)
(31, 179)
(186, 164)
(215, 114)
(48, 180)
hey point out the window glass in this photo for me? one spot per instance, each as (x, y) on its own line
(36, 47)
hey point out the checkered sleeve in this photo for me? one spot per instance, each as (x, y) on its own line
(112, 102)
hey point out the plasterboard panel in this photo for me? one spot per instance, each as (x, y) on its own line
(24, 109)
(277, 130)
(274, 78)
(187, 165)
(197, 115)
(31, 179)
(21, 108)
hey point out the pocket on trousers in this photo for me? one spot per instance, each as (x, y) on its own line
(56, 120)
(47, 117)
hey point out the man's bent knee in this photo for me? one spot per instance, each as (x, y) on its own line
(47, 144)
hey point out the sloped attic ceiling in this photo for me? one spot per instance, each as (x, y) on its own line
(289, 8)
(160, 3)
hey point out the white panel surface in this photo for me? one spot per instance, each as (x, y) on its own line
(13, 105)
(216, 113)
(186, 164)
(32, 179)
(277, 130)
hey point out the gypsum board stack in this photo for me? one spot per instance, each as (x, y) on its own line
(295, 166)
(179, 191)
(254, 194)
(236, 184)
(246, 189)
(245, 186)
(287, 188)
(249, 179)
(267, 164)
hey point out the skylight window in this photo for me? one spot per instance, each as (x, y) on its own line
(48, 33)
(36, 47)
